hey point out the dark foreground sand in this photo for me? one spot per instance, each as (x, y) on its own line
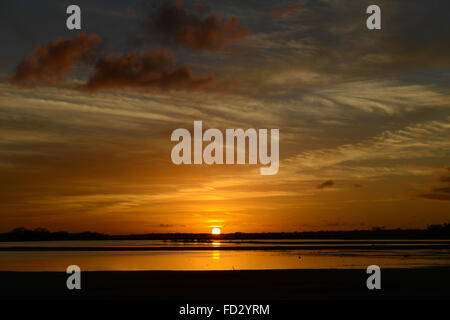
(427, 283)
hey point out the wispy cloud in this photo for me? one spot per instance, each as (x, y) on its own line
(427, 140)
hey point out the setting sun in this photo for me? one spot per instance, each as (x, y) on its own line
(215, 231)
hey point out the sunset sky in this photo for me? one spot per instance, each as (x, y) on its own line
(86, 116)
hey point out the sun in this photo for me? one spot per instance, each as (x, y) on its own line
(215, 231)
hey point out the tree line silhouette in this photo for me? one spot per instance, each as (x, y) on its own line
(441, 231)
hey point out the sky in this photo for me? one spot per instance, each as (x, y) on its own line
(86, 115)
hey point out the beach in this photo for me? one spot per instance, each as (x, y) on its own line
(258, 285)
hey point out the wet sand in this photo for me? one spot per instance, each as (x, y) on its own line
(421, 283)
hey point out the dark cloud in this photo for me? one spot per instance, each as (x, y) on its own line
(164, 225)
(153, 69)
(194, 31)
(169, 225)
(52, 62)
(201, 6)
(445, 179)
(438, 193)
(285, 11)
(435, 196)
(357, 185)
(442, 190)
(326, 184)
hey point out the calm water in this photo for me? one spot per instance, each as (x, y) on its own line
(268, 254)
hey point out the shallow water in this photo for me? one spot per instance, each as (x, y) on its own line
(215, 259)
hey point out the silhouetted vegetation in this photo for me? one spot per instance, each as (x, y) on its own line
(40, 234)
